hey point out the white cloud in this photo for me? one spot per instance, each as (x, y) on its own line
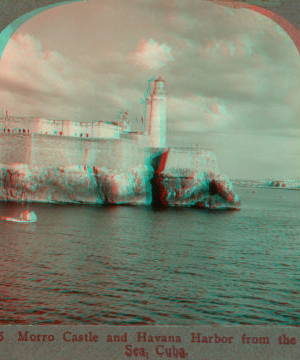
(25, 65)
(151, 55)
(39, 82)
(197, 114)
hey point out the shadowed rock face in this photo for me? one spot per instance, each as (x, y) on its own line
(206, 190)
(199, 185)
(139, 185)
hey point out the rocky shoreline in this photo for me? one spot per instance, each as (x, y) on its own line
(139, 185)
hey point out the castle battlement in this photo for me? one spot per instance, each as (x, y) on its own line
(36, 125)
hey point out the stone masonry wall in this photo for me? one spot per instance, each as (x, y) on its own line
(50, 150)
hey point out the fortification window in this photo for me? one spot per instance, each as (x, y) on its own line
(23, 130)
(3, 129)
(19, 130)
(8, 130)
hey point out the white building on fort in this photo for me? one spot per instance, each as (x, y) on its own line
(154, 125)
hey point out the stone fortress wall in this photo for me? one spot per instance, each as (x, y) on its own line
(126, 150)
(39, 142)
(48, 150)
(61, 151)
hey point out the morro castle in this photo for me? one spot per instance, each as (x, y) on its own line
(107, 163)
(40, 142)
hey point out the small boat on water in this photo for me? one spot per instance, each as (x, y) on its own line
(25, 217)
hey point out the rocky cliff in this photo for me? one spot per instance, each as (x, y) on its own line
(139, 185)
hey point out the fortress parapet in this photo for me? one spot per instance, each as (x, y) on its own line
(193, 159)
(36, 125)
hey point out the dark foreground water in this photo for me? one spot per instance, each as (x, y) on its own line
(133, 265)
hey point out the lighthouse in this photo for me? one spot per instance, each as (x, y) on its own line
(155, 114)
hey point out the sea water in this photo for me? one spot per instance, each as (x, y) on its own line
(124, 265)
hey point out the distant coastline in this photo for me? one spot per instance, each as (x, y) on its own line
(293, 184)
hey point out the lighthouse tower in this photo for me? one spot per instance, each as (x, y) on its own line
(155, 114)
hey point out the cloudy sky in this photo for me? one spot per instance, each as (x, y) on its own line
(232, 76)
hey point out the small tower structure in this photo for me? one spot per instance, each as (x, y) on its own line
(155, 114)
